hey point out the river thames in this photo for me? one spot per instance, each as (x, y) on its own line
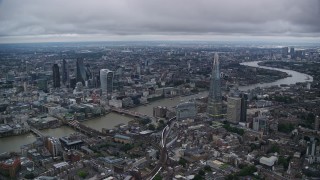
(110, 120)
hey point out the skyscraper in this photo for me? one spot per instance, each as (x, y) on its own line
(316, 123)
(285, 51)
(64, 72)
(56, 76)
(292, 53)
(106, 79)
(244, 99)
(234, 110)
(81, 72)
(88, 72)
(214, 108)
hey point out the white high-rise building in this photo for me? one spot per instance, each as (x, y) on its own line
(106, 79)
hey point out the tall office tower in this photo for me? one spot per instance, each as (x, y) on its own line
(214, 108)
(88, 72)
(98, 84)
(64, 72)
(234, 110)
(56, 76)
(81, 71)
(106, 80)
(317, 123)
(292, 52)
(285, 51)
(244, 99)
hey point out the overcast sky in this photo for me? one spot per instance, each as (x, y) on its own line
(91, 20)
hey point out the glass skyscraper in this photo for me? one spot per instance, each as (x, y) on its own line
(81, 72)
(106, 79)
(64, 72)
(56, 76)
(214, 108)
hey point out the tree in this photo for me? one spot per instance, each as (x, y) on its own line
(201, 172)
(29, 176)
(284, 161)
(207, 168)
(285, 128)
(83, 174)
(273, 149)
(144, 121)
(151, 127)
(157, 177)
(248, 170)
(233, 129)
(245, 171)
(198, 177)
(182, 162)
(310, 118)
(126, 147)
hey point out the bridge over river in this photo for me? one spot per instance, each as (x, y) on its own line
(132, 113)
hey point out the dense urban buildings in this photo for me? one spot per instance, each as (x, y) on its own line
(159, 110)
(160, 90)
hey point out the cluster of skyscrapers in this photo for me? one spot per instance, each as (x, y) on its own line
(236, 110)
(292, 52)
(83, 75)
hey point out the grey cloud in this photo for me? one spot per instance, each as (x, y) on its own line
(160, 17)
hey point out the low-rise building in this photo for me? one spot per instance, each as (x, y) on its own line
(122, 139)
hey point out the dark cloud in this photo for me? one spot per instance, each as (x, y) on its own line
(159, 17)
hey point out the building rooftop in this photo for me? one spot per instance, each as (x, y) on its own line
(70, 140)
(268, 161)
(111, 159)
(60, 165)
(122, 137)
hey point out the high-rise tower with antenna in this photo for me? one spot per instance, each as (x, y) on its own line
(214, 108)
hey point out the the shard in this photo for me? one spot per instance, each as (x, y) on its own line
(214, 108)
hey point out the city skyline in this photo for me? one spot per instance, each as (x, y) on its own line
(62, 114)
(57, 21)
(144, 89)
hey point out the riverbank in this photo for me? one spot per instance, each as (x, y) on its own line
(293, 78)
(310, 68)
(248, 75)
(112, 119)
